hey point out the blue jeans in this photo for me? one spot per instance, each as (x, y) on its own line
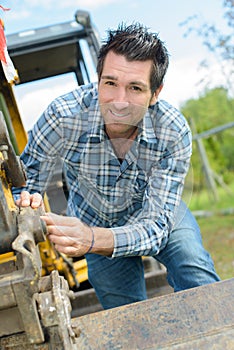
(121, 281)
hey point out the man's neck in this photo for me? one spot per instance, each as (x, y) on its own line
(122, 145)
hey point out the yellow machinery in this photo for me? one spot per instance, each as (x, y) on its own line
(76, 272)
(35, 59)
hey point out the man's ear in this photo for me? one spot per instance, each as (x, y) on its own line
(155, 95)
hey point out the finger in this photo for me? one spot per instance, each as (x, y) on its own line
(36, 200)
(57, 230)
(50, 219)
(17, 202)
(61, 239)
(24, 199)
(70, 251)
(59, 220)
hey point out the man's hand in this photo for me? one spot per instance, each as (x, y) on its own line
(69, 234)
(29, 200)
(74, 238)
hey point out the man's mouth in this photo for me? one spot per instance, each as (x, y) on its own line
(120, 115)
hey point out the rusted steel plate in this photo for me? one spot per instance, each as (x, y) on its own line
(199, 318)
(86, 302)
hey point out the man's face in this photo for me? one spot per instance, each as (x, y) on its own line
(124, 94)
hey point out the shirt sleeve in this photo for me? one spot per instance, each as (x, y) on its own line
(147, 232)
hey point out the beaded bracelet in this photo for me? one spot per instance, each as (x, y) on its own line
(92, 243)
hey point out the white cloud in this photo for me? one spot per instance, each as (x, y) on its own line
(33, 98)
(185, 80)
(181, 82)
(16, 14)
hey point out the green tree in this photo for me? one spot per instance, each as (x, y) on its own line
(213, 108)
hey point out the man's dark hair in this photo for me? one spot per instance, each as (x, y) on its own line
(136, 43)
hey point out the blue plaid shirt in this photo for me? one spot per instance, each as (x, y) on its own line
(136, 198)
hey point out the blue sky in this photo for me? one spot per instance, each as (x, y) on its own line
(162, 16)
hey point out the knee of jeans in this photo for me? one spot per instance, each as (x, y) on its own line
(190, 248)
(185, 248)
(185, 221)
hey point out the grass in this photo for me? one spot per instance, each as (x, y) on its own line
(204, 200)
(218, 239)
(217, 229)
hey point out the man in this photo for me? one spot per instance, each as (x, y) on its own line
(126, 155)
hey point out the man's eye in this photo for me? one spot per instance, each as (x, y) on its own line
(136, 88)
(109, 83)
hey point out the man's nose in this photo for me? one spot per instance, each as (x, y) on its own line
(120, 99)
(120, 105)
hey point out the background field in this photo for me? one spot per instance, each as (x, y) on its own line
(216, 220)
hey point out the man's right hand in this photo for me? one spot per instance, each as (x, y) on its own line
(26, 200)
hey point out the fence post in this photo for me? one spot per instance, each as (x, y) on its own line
(205, 162)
